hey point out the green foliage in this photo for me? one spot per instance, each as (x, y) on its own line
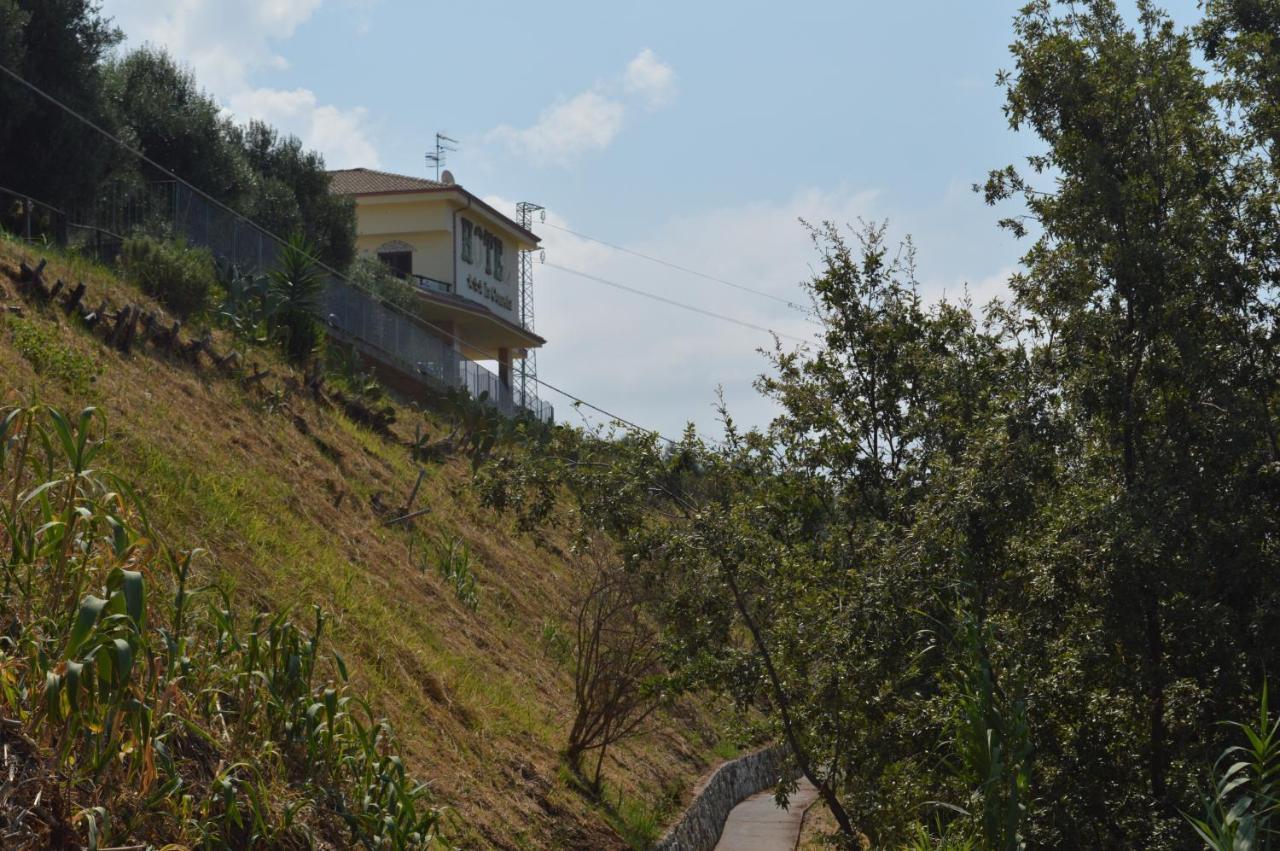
(179, 275)
(345, 366)
(372, 275)
(989, 747)
(294, 290)
(149, 716)
(246, 302)
(49, 356)
(156, 105)
(1077, 489)
(270, 179)
(1243, 808)
(293, 194)
(555, 643)
(161, 107)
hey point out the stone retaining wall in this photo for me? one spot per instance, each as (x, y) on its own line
(700, 826)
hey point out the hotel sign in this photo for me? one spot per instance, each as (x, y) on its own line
(486, 269)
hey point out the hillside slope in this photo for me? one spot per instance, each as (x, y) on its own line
(290, 498)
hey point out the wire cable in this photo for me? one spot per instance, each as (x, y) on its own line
(140, 155)
(675, 303)
(679, 268)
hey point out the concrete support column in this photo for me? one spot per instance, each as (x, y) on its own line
(448, 332)
(504, 367)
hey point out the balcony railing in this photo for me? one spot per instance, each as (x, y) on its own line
(433, 285)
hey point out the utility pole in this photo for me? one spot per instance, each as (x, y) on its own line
(529, 363)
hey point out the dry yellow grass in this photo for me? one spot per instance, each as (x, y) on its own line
(479, 707)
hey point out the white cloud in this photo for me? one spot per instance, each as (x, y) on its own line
(591, 120)
(650, 78)
(567, 129)
(228, 42)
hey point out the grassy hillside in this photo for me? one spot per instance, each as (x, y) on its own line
(289, 498)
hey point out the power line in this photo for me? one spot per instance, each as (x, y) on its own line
(678, 267)
(140, 155)
(675, 303)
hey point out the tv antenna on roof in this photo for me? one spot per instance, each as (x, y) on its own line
(444, 146)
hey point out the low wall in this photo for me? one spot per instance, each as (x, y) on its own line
(700, 826)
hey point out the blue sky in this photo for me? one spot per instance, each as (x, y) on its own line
(696, 132)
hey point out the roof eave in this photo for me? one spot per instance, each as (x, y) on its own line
(476, 200)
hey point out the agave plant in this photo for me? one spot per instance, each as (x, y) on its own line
(246, 302)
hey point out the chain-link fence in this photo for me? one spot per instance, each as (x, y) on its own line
(382, 331)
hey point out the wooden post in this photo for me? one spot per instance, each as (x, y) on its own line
(131, 330)
(116, 337)
(172, 341)
(73, 299)
(93, 318)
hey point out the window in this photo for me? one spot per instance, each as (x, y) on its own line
(466, 241)
(400, 262)
(498, 271)
(488, 254)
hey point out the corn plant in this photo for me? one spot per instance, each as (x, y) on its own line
(453, 563)
(223, 736)
(1242, 810)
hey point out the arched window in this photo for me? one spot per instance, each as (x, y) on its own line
(398, 257)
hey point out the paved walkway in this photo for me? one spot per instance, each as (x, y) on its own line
(758, 824)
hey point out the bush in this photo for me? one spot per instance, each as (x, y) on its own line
(180, 276)
(370, 273)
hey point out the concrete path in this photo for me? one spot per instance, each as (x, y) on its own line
(758, 824)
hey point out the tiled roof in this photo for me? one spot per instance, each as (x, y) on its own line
(367, 181)
(359, 181)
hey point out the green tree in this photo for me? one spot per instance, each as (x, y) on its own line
(1147, 285)
(161, 107)
(292, 194)
(56, 45)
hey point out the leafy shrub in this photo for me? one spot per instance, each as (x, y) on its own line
(48, 356)
(371, 274)
(347, 370)
(180, 276)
